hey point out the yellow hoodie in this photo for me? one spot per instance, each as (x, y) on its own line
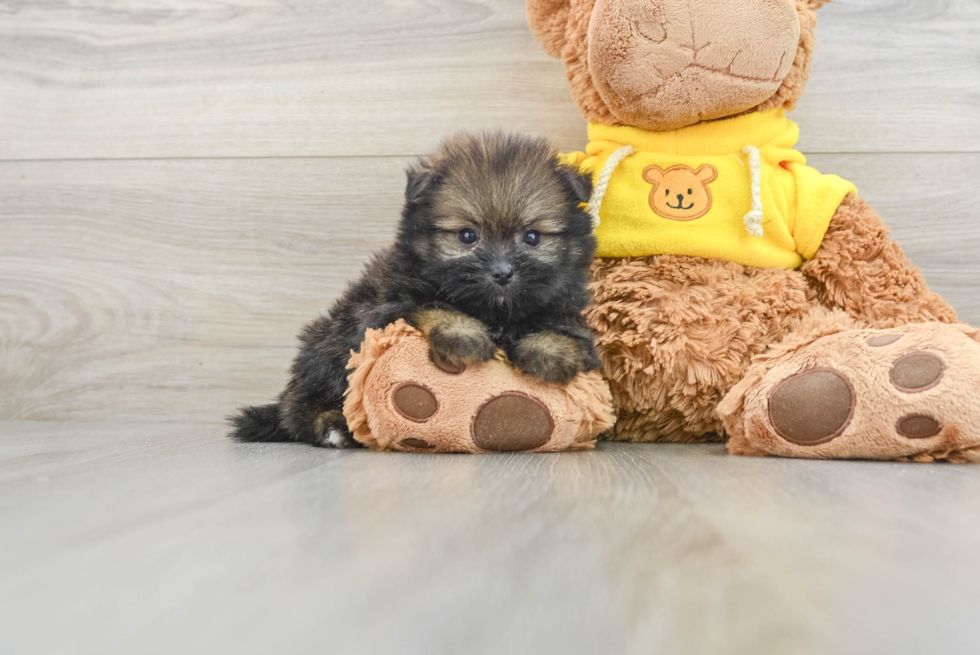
(690, 191)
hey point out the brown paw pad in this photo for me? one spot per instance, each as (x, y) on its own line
(918, 426)
(414, 402)
(512, 422)
(917, 372)
(883, 340)
(812, 407)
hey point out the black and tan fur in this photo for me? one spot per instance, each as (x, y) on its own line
(500, 187)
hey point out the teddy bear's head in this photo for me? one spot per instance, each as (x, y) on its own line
(666, 64)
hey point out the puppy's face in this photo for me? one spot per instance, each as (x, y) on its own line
(502, 231)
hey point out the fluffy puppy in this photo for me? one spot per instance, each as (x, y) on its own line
(492, 251)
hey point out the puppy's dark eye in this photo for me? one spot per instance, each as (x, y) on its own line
(690, 191)
(468, 236)
(668, 192)
(532, 238)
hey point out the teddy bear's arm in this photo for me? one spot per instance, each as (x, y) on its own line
(860, 270)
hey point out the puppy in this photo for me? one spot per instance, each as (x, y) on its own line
(492, 251)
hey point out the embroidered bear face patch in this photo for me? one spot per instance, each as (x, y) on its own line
(680, 193)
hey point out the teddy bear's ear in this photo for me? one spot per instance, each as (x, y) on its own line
(548, 20)
(817, 4)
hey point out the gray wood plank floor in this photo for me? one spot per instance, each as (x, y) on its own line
(165, 538)
(184, 183)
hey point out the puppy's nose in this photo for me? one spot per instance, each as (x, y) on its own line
(680, 199)
(502, 272)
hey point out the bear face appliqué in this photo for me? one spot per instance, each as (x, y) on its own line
(681, 193)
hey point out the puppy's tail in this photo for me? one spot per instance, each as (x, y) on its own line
(258, 424)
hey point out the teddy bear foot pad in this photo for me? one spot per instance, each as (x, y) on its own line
(401, 398)
(903, 394)
(508, 422)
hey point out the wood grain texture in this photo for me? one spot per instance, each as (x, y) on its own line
(185, 183)
(162, 539)
(251, 78)
(173, 290)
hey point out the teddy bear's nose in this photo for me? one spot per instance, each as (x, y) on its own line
(680, 199)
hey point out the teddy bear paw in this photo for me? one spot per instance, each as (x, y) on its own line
(405, 398)
(508, 422)
(866, 394)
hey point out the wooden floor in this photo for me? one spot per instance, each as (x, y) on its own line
(185, 183)
(165, 538)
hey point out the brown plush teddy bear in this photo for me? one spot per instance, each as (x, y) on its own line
(739, 292)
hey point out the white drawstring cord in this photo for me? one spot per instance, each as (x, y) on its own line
(753, 220)
(602, 184)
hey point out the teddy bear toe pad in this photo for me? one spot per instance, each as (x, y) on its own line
(402, 398)
(812, 407)
(511, 422)
(867, 394)
(414, 402)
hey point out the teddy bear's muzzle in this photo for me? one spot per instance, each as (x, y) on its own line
(667, 64)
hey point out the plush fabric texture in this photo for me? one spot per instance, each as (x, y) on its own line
(649, 214)
(676, 333)
(399, 399)
(563, 27)
(697, 348)
(668, 64)
(548, 20)
(912, 395)
(860, 270)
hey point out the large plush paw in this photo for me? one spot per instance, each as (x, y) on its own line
(908, 393)
(548, 356)
(457, 340)
(403, 398)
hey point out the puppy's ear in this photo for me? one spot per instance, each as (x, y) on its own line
(419, 184)
(580, 185)
(548, 20)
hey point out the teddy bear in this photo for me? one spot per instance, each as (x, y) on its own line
(740, 295)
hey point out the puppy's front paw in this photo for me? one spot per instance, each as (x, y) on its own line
(457, 340)
(548, 356)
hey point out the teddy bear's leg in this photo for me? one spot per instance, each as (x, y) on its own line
(832, 391)
(835, 390)
(403, 396)
(674, 334)
(860, 270)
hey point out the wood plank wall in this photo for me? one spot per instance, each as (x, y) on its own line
(184, 183)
